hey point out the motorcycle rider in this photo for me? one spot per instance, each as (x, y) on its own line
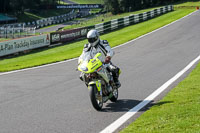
(95, 46)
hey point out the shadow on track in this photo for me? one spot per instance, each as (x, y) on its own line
(122, 105)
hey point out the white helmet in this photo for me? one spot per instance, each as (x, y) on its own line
(93, 37)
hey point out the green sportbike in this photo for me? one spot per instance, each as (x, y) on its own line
(97, 77)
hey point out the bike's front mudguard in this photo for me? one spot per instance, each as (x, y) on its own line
(97, 83)
(96, 94)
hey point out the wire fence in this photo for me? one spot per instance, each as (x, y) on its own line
(13, 31)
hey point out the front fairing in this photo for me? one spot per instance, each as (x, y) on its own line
(89, 65)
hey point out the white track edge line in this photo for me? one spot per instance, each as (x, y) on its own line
(120, 121)
(26, 69)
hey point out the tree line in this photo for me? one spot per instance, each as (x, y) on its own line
(18, 6)
(119, 6)
(115, 6)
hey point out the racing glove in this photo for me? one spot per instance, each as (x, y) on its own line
(107, 59)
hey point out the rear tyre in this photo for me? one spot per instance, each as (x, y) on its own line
(115, 96)
(97, 104)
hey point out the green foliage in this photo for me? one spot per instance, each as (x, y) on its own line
(112, 5)
(19, 6)
(118, 6)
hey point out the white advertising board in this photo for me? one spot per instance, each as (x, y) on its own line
(18, 45)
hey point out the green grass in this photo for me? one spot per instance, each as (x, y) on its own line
(74, 49)
(3, 39)
(178, 112)
(88, 1)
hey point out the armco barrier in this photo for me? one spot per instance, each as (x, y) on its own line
(69, 35)
(132, 19)
(45, 22)
(54, 20)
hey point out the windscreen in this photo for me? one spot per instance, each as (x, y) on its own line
(86, 57)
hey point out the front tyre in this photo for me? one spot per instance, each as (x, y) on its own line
(96, 102)
(115, 96)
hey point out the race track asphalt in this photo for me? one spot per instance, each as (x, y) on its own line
(52, 99)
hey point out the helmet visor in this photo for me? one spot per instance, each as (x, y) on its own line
(92, 40)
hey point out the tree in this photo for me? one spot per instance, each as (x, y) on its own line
(112, 5)
(117, 6)
(18, 6)
(4, 5)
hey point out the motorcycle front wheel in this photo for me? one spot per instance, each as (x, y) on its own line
(97, 103)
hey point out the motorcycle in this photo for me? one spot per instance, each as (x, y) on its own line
(100, 90)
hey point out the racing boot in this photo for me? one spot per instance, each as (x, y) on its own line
(109, 88)
(115, 74)
(117, 83)
(112, 83)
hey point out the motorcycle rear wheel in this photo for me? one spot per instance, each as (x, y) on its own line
(97, 104)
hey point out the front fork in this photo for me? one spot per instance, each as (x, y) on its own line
(99, 88)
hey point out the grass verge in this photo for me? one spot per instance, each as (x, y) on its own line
(72, 50)
(3, 39)
(179, 111)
